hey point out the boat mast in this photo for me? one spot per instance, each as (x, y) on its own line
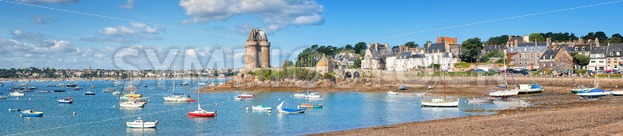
(444, 80)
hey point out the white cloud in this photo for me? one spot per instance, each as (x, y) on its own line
(277, 14)
(128, 5)
(47, 1)
(127, 35)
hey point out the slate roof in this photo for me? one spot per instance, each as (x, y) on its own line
(404, 55)
(527, 49)
(586, 47)
(489, 48)
(417, 56)
(613, 49)
(436, 47)
(598, 50)
(531, 44)
(549, 54)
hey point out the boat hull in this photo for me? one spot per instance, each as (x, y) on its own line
(142, 125)
(207, 114)
(617, 93)
(440, 104)
(29, 113)
(291, 110)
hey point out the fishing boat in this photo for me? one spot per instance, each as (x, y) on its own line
(245, 96)
(289, 110)
(308, 105)
(200, 112)
(392, 93)
(16, 93)
(89, 93)
(261, 108)
(67, 100)
(32, 113)
(43, 91)
(139, 123)
(594, 93)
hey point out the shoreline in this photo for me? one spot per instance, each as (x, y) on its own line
(554, 112)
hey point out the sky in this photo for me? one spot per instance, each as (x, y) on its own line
(199, 34)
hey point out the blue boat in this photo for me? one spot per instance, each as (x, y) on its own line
(289, 110)
(12, 110)
(32, 113)
(594, 93)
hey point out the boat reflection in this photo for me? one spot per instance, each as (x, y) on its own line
(141, 131)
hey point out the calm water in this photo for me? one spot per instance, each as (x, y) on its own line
(101, 115)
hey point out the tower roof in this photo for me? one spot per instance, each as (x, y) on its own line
(257, 35)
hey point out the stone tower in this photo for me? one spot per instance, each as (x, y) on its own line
(257, 50)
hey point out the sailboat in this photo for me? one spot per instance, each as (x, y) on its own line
(132, 102)
(200, 112)
(281, 109)
(504, 92)
(439, 102)
(175, 97)
(595, 92)
(530, 88)
(581, 88)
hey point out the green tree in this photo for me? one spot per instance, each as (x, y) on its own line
(348, 47)
(581, 60)
(498, 40)
(358, 62)
(411, 44)
(360, 48)
(536, 36)
(616, 38)
(471, 49)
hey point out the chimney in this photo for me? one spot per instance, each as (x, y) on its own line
(516, 42)
(596, 42)
(446, 46)
(548, 41)
(580, 41)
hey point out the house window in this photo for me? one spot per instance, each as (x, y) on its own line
(593, 61)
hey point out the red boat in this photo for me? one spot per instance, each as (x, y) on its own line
(201, 113)
(246, 96)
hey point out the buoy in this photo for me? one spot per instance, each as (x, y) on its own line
(280, 99)
(113, 106)
(247, 108)
(216, 104)
(74, 113)
(29, 99)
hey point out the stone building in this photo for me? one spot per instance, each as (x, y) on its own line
(257, 50)
(325, 65)
(375, 56)
(614, 57)
(556, 59)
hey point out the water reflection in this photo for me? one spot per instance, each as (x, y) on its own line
(141, 131)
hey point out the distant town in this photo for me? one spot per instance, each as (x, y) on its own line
(33, 72)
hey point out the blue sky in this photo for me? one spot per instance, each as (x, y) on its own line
(114, 34)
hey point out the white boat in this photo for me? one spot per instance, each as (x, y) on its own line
(107, 90)
(440, 102)
(504, 93)
(139, 123)
(595, 93)
(299, 95)
(392, 93)
(16, 93)
(132, 104)
(480, 100)
(529, 88)
(312, 95)
(3, 97)
(261, 108)
(116, 93)
(281, 109)
(617, 93)
(174, 97)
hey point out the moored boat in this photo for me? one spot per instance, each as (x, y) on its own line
(16, 93)
(67, 100)
(89, 93)
(308, 105)
(392, 93)
(106, 90)
(139, 123)
(244, 95)
(32, 113)
(402, 87)
(439, 102)
(132, 104)
(617, 93)
(43, 91)
(313, 95)
(289, 110)
(261, 108)
(299, 95)
(530, 88)
(201, 113)
(59, 90)
(594, 93)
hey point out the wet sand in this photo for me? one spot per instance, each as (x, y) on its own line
(555, 112)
